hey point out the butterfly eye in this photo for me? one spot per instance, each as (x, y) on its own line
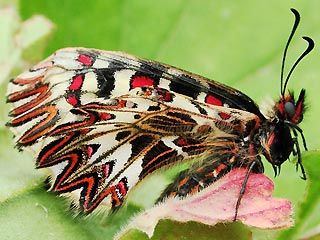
(290, 109)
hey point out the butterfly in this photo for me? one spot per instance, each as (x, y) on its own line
(102, 121)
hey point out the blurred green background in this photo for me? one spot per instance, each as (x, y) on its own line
(239, 43)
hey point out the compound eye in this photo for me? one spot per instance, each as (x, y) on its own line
(290, 109)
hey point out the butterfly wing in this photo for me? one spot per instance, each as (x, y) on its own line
(102, 121)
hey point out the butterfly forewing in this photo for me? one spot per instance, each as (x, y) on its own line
(102, 121)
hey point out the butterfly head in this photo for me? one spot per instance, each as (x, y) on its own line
(289, 110)
(283, 130)
(280, 142)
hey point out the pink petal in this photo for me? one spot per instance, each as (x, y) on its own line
(217, 203)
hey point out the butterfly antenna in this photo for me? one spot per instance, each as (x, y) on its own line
(294, 28)
(305, 53)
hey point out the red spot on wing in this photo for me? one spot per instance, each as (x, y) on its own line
(224, 116)
(76, 83)
(210, 99)
(106, 170)
(89, 151)
(105, 116)
(167, 97)
(122, 188)
(164, 95)
(85, 59)
(182, 141)
(73, 100)
(141, 81)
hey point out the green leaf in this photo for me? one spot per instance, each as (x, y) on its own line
(237, 43)
(308, 219)
(192, 230)
(15, 41)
